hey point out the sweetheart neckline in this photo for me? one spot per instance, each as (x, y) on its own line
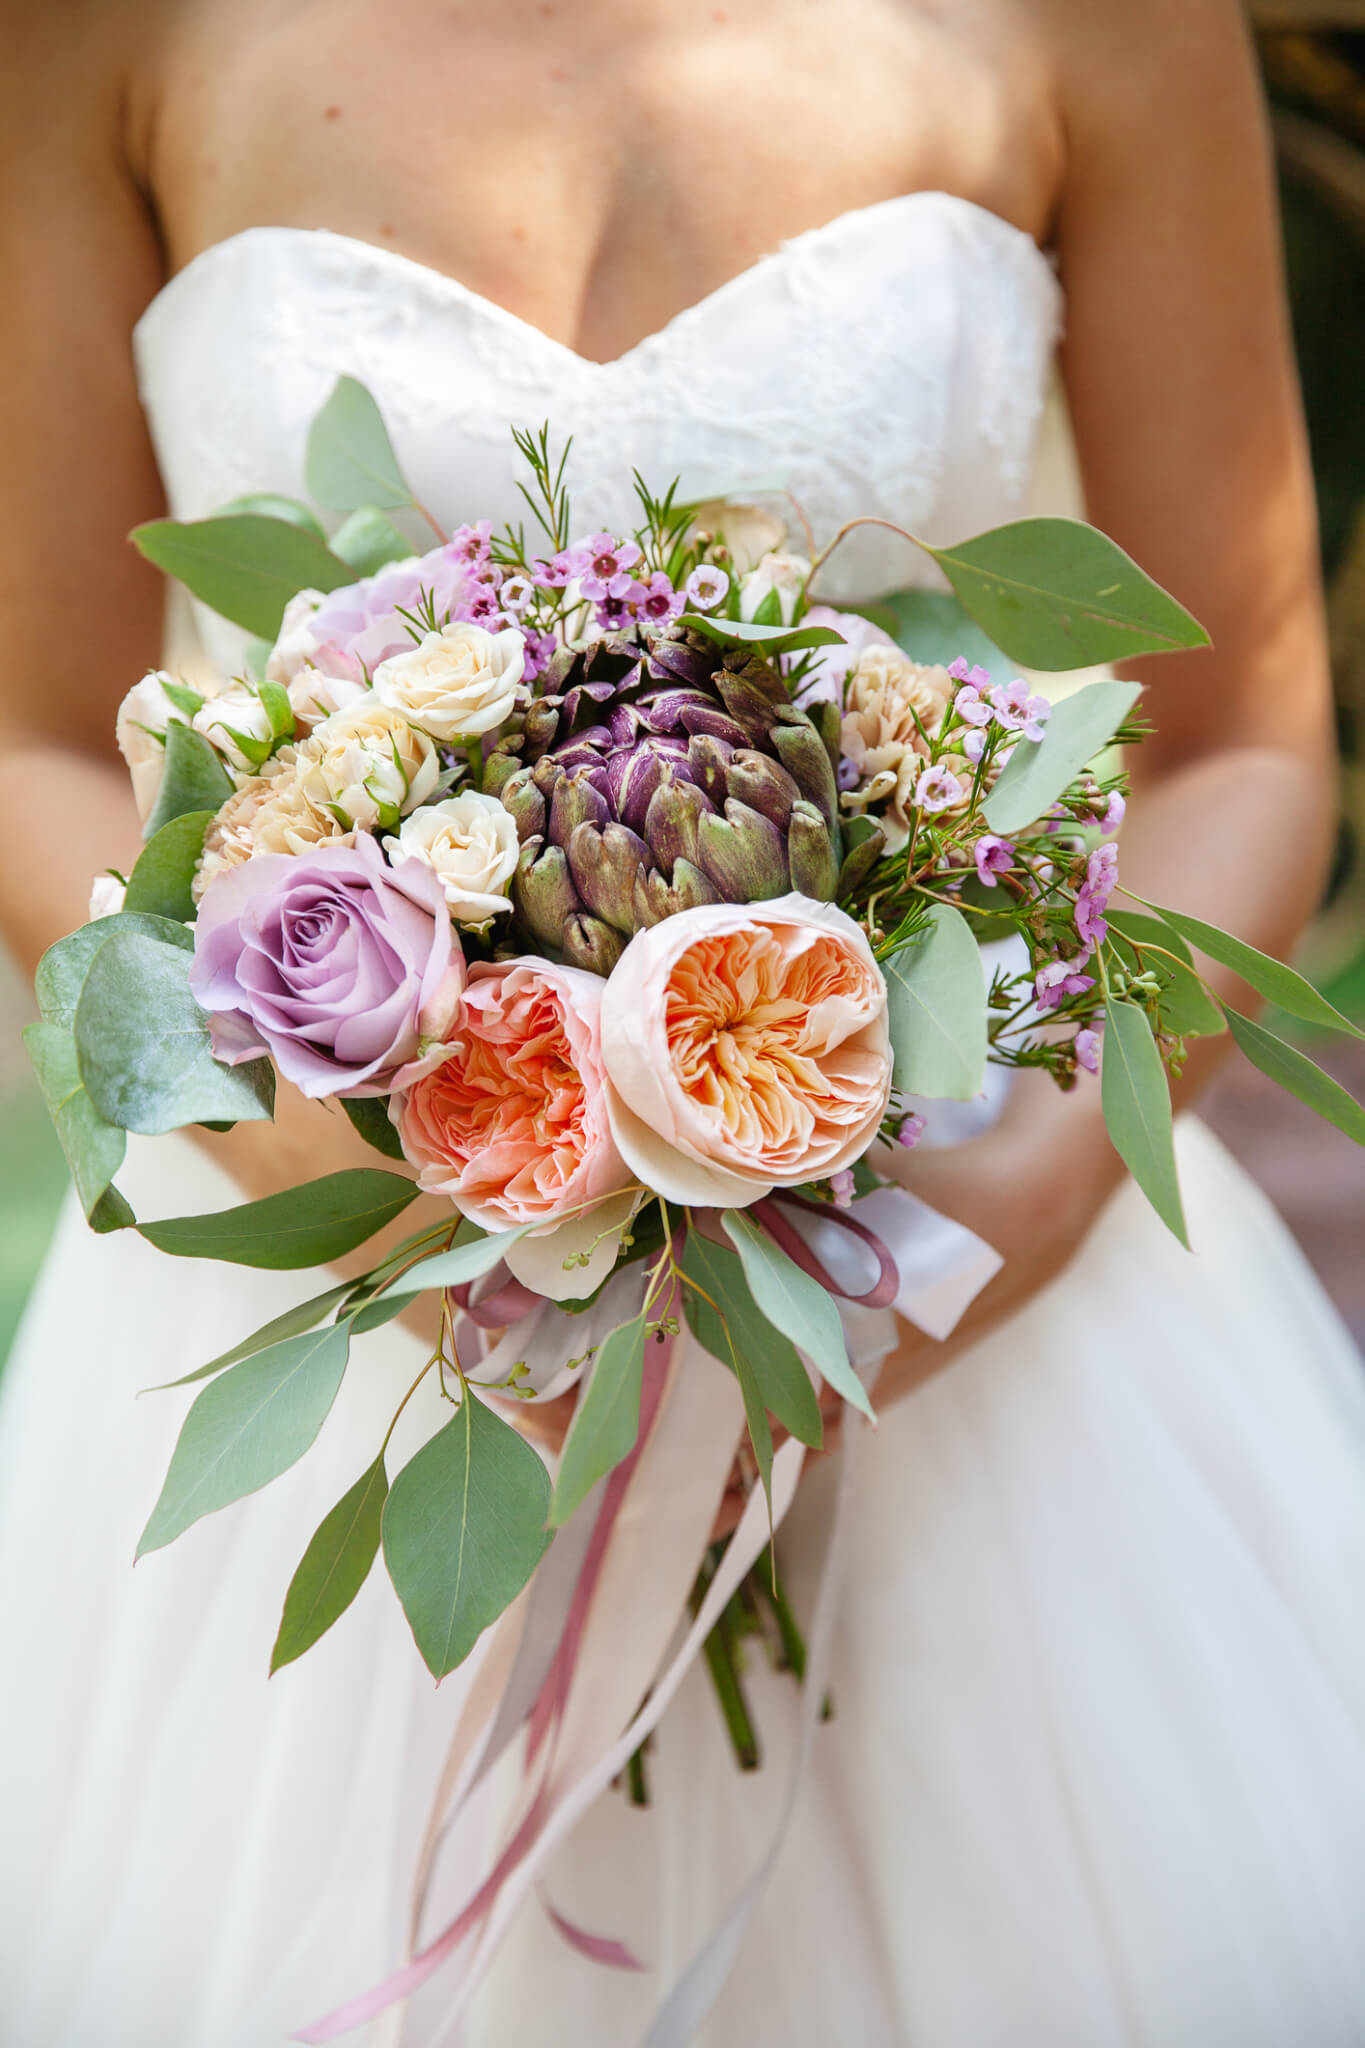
(430, 276)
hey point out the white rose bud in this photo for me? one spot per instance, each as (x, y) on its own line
(143, 716)
(470, 844)
(295, 643)
(368, 762)
(783, 573)
(456, 683)
(236, 711)
(106, 896)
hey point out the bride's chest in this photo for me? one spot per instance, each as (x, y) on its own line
(594, 166)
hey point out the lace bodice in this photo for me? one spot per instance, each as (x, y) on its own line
(892, 362)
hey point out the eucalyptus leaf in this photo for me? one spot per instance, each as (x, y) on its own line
(160, 882)
(795, 1304)
(735, 1329)
(1187, 1008)
(64, 966)
(368, 540)
(370, 1117)
(246, 1427)
(936, 1009)
(1038, 771)
(1058, 594)
(350, 462)
(334, 1567)
(143, 1045)
(305, 1226)
(94, 1149)
(933, 626)
(1136, 1100)
(606, 1420)
(193, 779)
(305, 1316)
(1293, 1070)
(464, 1262)
(463, 1530)
(750, 633)
(1270, 978)
(372, 1315)
(246, 566)
(274, 505)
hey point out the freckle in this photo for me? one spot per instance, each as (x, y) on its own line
(517, 234)
(387, 228)
(558, 74)
(719, 16)
(331, 113)
(211, 168)
(546, 11)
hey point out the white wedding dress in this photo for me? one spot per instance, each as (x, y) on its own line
(1096, 1778)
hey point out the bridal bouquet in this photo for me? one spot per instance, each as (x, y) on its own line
(634, 902)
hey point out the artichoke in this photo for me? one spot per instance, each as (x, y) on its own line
(654, 775)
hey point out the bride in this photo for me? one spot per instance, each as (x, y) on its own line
(1096, 1773)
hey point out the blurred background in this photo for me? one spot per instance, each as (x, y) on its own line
(1313, 57)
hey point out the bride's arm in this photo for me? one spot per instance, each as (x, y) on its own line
(81, 611)
(1178, 368)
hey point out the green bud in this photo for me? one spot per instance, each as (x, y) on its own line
(810, 851)
(744, 855)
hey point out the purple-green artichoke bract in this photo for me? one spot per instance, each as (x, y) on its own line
(657, 774)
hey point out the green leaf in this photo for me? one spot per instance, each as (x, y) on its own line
(278, 709)
(182, 696)
(306, 1316)
(94, 1149)
(1039, 770)
(464, 1528)
(467, 1260)
(64, 966)
(247, 1426)
(741, 1333)
(936, 1009)
(143, 1045)
(306, 1226)
(1187, 1008)
(372, 1315)
(160, 883)
(274, 505)
(795, 1304)
(350, 462)
(1057, 594)
(746, 633)
(606, 1421)
(1269, 977)
(368, 540)
(932, 626)
(245, 567)
(194, 779)
(371, 1119)
(1137, 1110)
(1291, 1069)
(334, 1567)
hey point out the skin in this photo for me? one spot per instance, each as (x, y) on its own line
(639, 167)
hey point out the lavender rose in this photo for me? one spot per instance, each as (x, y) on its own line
(338, 966)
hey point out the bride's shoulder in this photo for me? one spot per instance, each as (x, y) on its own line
(1143, 36)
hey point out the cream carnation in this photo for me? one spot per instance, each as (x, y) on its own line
(368, 762)
(270, 813)
(456, 683)
(470, 844)
(890, 704)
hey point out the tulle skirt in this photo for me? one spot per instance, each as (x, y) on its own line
(1096, 1769)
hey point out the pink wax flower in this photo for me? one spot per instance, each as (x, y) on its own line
(1114, 813)
(333, 963)
(471, 543)
(1060, 978)
(706, 587)
(1018, 710)
(745, 1048)
(842, 1187)
(609, 565)
(567, 564)
(976, 678)
(1101, 877)
(992, 856)
(912, 1129)
(658, 601)
(1087, 1049)
(938, 789)
(511, 1124)
(972, 743)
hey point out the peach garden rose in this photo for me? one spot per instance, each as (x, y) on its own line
(512, 1124)
(745, 1048)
